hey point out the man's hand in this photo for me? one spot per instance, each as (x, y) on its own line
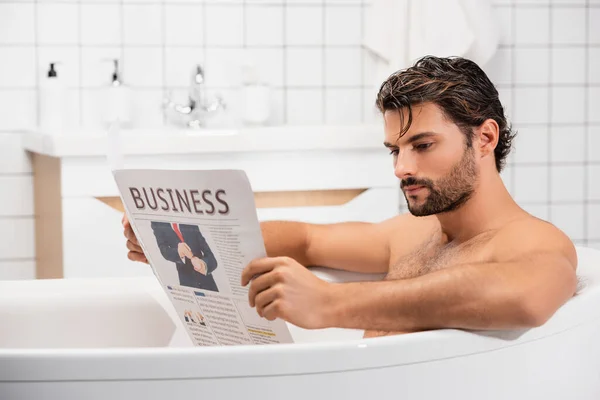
(135, 251)
(283, 288)
(184, 251)
(199, 265)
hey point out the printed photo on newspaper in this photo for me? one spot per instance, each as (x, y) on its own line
(199, 229)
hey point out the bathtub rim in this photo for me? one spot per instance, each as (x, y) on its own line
(127, 363)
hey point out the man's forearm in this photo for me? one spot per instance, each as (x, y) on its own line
(471, 296)
(286, 238)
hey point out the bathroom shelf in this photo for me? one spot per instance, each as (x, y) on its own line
(185, 141)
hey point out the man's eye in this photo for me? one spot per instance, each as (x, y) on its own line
(423, 146)
(394, 152)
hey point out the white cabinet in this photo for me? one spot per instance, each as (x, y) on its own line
(314, 174)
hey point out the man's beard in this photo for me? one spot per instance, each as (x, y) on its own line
(449, 192)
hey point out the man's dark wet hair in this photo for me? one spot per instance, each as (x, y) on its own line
(459, 87)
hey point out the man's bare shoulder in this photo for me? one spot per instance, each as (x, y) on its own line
(529, 236)
(406, 232)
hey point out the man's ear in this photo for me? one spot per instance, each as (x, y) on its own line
(488, 134)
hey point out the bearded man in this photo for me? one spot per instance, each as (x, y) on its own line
(466, 256)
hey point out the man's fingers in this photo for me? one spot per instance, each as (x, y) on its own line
(265, 298)
(134, 247)
(257, 267)
(130, 235)
(139, 257)
(135, 250)
(273, 310)
(258, 285)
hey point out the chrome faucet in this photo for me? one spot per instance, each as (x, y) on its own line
(199, 108)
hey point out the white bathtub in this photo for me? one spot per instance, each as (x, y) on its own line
(118, 339)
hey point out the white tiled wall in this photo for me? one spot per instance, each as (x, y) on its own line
(16, 210)
(547, 71)
(550, 61)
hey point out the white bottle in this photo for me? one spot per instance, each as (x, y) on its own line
(256, 98)
(117, 101)
(52, 103)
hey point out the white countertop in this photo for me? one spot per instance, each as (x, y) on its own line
(186, 141)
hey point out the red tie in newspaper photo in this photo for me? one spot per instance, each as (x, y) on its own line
(176, 229)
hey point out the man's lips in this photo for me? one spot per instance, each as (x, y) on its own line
(412, 188)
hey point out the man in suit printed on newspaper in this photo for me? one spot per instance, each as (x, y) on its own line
(187, 248)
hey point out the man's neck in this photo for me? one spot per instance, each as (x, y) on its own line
(490, 207)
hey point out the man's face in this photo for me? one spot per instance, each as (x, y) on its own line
(437, 170)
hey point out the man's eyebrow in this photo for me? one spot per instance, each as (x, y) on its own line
(413, 138)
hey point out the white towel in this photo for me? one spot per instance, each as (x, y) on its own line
(385, 32)
(438, 27)
(485, 28)
(400, 31)
(385, 29)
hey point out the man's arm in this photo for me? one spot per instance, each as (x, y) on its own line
(531, 275)
(353, 246)
(508, 295)
(521, 290)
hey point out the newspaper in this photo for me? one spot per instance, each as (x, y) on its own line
(199, 230)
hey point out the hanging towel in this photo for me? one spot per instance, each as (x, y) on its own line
(385, 32)
(398, 32)
(485, 28)
(438, 27)
(385, 29)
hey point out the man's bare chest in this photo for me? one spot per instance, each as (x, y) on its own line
(434, 255)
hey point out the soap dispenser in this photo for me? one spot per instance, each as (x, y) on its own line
(117, 102)
(256, 102)
(52, 102)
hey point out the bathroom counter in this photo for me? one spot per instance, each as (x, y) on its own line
(185, 141)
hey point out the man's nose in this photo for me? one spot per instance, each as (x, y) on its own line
(405, 166)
